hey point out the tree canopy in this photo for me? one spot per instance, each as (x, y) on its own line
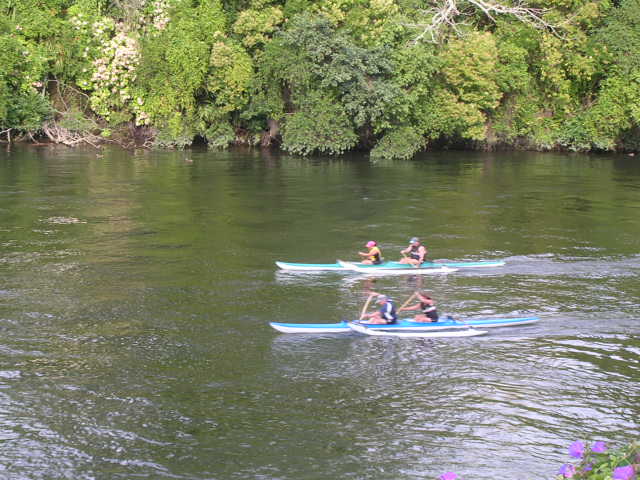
(324, 76)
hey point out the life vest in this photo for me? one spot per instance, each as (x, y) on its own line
(388, 312)
(414, 252)
(375, 255)
(426, 308)
(430, 311)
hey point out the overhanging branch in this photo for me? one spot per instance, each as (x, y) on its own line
(448, 15)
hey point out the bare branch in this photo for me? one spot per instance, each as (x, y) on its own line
(532, 16)
(59, 134)
(446, 16)
(8, 133)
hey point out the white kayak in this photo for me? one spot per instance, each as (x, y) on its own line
(468, 332)
(399, 269)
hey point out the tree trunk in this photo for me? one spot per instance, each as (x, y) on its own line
(269, 135)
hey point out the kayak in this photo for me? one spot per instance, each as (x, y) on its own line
(352, 266)
(468, 332)
(404, 325)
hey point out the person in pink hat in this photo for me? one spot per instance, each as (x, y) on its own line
(373, 256)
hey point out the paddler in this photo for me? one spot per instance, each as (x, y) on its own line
(414, 254)
(387, 313)
(373, 256)
(427, 308)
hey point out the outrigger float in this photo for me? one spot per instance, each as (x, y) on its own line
(468, 332)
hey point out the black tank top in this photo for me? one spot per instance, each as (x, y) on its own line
(426, 308)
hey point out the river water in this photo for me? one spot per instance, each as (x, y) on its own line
(136, 291)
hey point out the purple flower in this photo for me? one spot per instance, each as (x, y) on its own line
(448, 476)
(567, 470)
(576, 449)
(623, 473)
(599, 447)
(588, 467)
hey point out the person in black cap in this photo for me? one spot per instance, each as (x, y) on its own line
(414, 254)
(387, 313)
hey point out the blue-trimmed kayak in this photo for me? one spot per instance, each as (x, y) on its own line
(404, 325)
(358, 267)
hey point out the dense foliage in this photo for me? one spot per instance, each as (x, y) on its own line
(388, 76)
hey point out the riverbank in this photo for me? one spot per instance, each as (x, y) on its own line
(131, 138)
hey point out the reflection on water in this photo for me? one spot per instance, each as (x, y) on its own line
(137, 289)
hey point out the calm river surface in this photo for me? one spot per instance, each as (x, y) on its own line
(136, 291)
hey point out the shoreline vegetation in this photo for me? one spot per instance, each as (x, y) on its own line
(595, 462)
(391, 77)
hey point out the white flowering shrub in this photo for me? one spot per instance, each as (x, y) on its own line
(113, 74)
(157, 16)
(92, 33)
(113, 53)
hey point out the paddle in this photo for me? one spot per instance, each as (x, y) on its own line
(366, 305)
(408, 300)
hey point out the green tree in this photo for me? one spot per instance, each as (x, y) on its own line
(310, 65)
(256, 25)
(173, 67)
(225, 93)
(22, 71)
(320, 125)
(614, 111)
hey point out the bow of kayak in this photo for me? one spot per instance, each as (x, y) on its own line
(341, 327)
(310, 267)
